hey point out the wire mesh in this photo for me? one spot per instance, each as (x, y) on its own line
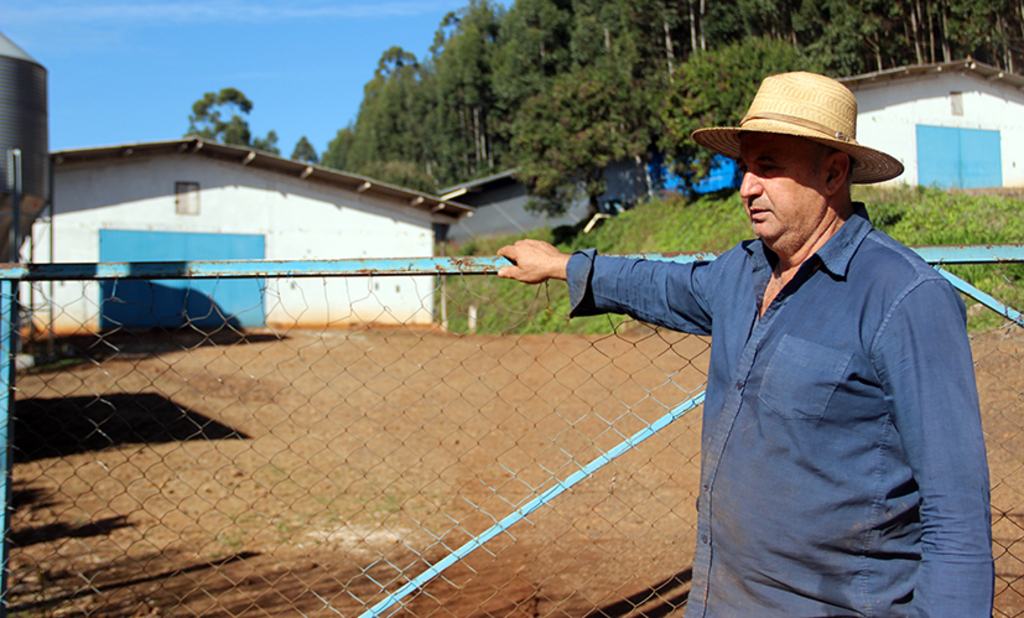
(998, 348)
(317, 463)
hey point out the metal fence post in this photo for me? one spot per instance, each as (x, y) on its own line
(8, 348)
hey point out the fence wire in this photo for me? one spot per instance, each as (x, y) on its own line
(319, 463)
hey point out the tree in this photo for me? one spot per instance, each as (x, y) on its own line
(401, 173)
(533, 47)
(565, 138)
(208, 112)
(463, 127)
(267, 144)
(714, 89)
(388, 127)
(305, 152)
(336, 155)
(772, 18)
(598, 110)
(496, 90)
(207, 120)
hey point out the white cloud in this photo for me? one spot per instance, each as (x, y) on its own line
(194, 11)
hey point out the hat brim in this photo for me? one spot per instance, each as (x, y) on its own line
(869, 165)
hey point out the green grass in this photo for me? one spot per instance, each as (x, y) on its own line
(920, 217)
(916, 216)
(54, 366)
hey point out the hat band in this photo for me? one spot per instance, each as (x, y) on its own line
(800, 122)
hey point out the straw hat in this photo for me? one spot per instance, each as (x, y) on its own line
(811, 106)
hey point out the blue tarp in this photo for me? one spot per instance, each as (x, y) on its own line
(723, 176)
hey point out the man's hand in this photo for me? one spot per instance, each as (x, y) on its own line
(533, 261)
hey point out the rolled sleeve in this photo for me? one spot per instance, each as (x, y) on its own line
(578, 272)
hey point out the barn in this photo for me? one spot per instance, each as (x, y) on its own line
(191, 199)
(502, 202)
(952, 124)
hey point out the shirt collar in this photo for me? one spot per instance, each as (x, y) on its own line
(837, 252)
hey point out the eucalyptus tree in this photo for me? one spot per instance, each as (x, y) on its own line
(389, 127)
(854, 36)
(465, 141)
(564, 139)
(385, 120)
(713, 89)
(533, 48)
(305, 152)
(218, 116)
(267, 144)
(598, 111)
(500, 88)
(336, 154)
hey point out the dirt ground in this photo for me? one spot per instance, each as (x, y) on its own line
(312, 474)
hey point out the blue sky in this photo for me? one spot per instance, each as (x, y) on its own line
(124, 71)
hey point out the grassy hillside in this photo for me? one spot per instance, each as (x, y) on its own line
(915, 216)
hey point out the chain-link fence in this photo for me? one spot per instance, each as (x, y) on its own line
(458, 459)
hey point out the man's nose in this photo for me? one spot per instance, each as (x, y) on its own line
(751, 185)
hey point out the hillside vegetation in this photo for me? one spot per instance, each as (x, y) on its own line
(559, 89)
(915, 216)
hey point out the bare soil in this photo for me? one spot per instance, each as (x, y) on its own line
(312, 474)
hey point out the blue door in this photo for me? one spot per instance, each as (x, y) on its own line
(171, 303)
(958, 158)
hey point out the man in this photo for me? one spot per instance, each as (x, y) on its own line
(843, 468)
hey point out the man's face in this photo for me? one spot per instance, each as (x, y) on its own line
(784, 189)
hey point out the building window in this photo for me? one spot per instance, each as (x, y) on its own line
(956, 100)
(186, 198)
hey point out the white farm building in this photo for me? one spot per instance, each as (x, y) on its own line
(953, 124)
(190, 200)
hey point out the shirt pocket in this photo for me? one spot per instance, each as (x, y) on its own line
(801, 378)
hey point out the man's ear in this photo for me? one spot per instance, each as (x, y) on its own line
(838, 165)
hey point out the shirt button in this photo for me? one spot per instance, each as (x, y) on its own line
(706, 487)
(739, 385)
(704, 539)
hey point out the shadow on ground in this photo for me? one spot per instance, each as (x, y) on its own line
(67, 425)
(133, 344)
(657, 601)
(39, 601)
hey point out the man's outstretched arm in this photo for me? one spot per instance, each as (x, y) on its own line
(661, 293)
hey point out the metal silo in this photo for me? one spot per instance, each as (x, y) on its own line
(24, 127)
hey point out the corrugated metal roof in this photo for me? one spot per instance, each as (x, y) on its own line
(480, 182)
(9, 49)
(262, 160)
(968, 66)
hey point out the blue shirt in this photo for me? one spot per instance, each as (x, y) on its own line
(843, 468)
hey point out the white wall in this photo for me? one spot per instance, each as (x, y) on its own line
(890, 112)
(299, 220)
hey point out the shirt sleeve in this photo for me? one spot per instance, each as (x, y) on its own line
(666, 294)
(923, 357)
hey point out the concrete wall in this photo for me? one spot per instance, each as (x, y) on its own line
(299, 220)
(890, 112)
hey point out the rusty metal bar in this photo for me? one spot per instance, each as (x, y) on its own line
(251, 268)
(967, 254)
